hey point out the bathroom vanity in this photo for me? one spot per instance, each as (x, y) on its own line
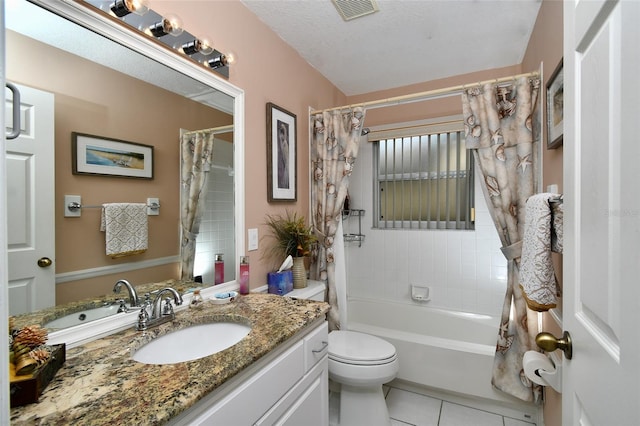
(277, 374)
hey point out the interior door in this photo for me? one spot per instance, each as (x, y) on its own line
(601, 305)
(30, 203)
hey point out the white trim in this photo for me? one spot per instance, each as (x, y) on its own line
(5, 398)
(84, 274)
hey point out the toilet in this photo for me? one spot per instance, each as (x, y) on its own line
(361, 364)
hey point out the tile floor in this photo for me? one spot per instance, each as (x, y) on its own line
(408, 408)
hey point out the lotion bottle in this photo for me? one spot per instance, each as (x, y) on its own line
(244, 274)
(219, 269)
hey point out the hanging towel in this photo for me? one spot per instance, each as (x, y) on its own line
(537, 277)
(126, 229)
(557, 235)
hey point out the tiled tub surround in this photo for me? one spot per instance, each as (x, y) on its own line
(101, 384)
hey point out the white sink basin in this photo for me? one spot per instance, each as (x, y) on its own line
(82, 317)
(191, 343)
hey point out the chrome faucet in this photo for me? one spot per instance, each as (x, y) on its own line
(133, 296)
(158, 315)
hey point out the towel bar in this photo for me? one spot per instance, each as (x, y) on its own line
(74, 206)
(556, 200)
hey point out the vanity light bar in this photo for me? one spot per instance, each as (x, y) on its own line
(135, 15)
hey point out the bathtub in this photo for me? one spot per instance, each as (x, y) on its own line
(437, 348)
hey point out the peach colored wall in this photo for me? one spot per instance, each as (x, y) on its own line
(545, 45)
(96, 100)
(268, 70)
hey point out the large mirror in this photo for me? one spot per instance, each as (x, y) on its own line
(166, 95)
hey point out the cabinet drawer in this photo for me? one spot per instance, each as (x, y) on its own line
(316, 346)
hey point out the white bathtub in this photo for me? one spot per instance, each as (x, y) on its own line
(445, 350)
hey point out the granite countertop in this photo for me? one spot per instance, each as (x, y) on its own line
(100, 383)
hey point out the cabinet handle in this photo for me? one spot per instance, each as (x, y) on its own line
(16, 112)
(324, 346)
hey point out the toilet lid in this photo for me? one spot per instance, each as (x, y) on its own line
(359, 348)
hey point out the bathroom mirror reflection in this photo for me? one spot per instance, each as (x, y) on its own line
(102, 88)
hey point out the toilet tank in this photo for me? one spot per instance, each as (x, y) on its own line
(314, 291)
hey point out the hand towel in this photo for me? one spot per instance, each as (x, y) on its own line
(126, 228)
(537, 277)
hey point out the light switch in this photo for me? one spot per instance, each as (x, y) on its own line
(253, 239)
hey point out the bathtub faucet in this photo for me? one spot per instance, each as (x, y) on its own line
(133, 296)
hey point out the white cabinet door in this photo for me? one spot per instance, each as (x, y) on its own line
(601, 304)
(312, 408)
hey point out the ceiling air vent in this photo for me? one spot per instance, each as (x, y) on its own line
(351, 9)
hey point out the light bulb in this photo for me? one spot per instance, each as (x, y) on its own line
(168, 25)
(122, 8)
(197, 46)
(232, 58)
(206, 46)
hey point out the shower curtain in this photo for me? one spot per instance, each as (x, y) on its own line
(334, 148)
(196, 158)
(502, 126)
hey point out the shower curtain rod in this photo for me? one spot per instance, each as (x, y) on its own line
(216, 130)
(423, 96)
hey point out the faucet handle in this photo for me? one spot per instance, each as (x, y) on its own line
(143, 317)
(123, 306)
(168, 307)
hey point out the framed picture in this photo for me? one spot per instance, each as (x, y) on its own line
(281, 154)
(97, 155)
(555, 101)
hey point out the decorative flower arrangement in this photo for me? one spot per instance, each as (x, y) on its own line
(292, 235)
(27, 350)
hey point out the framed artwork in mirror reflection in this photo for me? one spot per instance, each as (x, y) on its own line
(555, 102)
(101, 156)
(281, 154)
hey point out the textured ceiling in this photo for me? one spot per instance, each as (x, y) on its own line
(406, 42)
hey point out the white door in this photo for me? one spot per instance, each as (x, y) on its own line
(601, 304)
(30, 203)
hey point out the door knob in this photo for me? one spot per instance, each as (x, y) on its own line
(43, 262)
(548, 342)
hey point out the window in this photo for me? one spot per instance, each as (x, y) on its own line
(424, 182)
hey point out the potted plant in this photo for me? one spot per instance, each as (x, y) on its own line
(292, 238)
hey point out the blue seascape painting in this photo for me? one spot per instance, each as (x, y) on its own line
(92, 158)
(100, 156)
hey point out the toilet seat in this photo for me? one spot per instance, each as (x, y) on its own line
(350, 347)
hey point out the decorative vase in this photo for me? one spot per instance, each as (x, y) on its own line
(299, 273)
